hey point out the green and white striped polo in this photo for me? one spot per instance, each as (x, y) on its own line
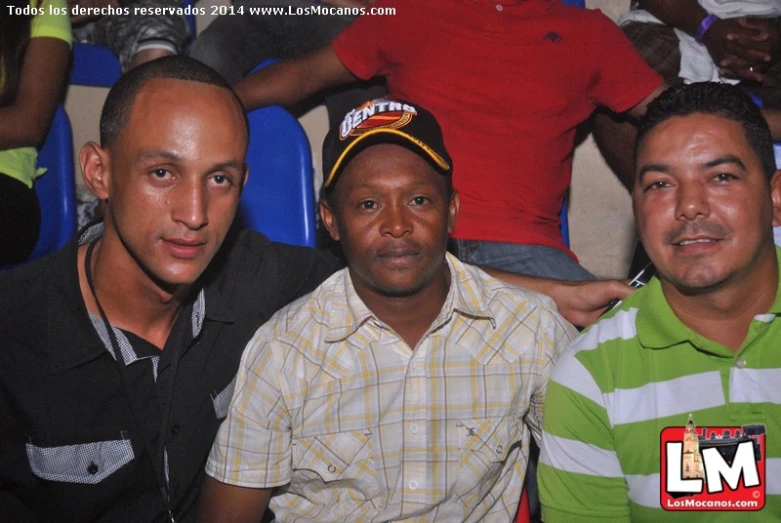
(635, 372)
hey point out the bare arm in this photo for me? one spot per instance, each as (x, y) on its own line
(639, 110)
(291, 81)
(223, 503)
(740, 49)
(26, 120)
(685, 15)
(580, 302)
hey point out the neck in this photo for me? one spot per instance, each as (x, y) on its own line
(725, 314)
(129, 296)
(409, 316)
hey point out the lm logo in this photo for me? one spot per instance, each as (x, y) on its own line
(713, 468)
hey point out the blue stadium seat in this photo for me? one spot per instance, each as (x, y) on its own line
(56, 189)
(279, 199)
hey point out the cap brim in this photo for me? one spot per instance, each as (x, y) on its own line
(361, 140)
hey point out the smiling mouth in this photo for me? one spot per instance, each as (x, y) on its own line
(684, 243)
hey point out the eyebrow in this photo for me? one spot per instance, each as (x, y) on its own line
(159, 154)
(729, 159)
(652, 167)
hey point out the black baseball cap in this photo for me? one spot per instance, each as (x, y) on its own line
(380, 121)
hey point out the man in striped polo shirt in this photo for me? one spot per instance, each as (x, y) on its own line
(702, 339)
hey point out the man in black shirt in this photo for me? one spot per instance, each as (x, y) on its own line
(118, 353)
(84, 438)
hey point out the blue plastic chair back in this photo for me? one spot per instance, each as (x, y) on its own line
(98, 66)
(575, 3)
(564, 225)
(278, 199)
(56, 189)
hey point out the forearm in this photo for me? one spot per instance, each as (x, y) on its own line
(685, 15)
(579, 302)
(25, 121)
(223, 503)
(291, 81)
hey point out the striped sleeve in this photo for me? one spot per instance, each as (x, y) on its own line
(580, 476)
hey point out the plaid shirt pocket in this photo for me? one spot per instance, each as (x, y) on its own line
(343, 461)
(485, 445)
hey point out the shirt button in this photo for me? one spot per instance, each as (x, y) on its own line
(499, 449)
(740, 363)
(413, 485)
(175, 430)
(413, 428)
(499, 7)
(92, 469)
(331, 469)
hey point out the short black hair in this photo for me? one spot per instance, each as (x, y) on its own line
(724, 100)
(121, 97)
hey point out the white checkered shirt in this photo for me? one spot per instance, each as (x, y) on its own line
(333, 404)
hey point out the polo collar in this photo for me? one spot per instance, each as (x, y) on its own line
(657, 325)
(347, 312)
(69, 321)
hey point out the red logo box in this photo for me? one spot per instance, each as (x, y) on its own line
(713, 468)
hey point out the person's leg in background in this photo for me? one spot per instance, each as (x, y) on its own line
(137, 38)
(532, 260)
(234, 44)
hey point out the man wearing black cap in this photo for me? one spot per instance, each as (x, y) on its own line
(405, 386)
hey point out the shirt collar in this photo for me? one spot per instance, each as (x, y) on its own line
(89, 344)
(658, 327)
(347, 312)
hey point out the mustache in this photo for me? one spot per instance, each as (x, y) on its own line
(694, 229)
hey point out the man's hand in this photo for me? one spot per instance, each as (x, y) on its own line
(743, 48)
(582, 302)
(80, 19)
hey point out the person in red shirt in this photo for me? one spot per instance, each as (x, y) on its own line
(510, 81)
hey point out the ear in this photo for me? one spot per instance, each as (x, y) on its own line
(455, 204)
(95, 163)
(775, 195)
(329, 219)
(245, 178)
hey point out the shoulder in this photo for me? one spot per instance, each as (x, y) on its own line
(533, 316)
(26, 286)
(299, 327)
(504, 298)
(33, 295)
(602, 350)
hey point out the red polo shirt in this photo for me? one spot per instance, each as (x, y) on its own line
(509, 82)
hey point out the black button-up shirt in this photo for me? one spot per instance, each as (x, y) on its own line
(70, 449)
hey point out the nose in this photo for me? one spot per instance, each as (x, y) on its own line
(692, 201)
(396, 221)
(190, 205)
